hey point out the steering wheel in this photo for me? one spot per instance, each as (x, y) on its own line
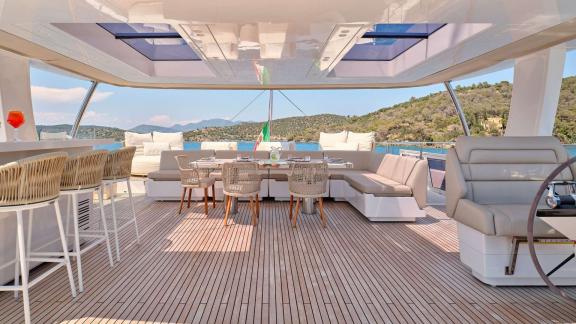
(530, 236)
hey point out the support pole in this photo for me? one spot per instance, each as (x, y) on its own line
(459, 110)
(82, 110)
(270, 111)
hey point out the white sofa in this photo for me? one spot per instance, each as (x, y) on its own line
(347, 141)
(490, 185)
(149, 147)
(382, 188)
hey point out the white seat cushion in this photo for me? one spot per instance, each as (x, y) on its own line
(142, 164)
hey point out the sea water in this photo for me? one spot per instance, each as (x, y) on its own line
(312, 146)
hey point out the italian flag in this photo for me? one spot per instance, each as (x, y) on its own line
(264, 136)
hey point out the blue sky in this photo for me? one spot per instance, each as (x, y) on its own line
(56, 99)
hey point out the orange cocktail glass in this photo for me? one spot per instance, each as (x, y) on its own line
(15, 118)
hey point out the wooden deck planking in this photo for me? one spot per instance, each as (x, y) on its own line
(190, 268)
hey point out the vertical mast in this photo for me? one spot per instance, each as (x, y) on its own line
(270, 110)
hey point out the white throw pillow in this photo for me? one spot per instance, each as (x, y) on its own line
(53, 136)
(330, 139)
(136, 139)
(365, 141)
(176, 140)
(155, 148)
(341, 147)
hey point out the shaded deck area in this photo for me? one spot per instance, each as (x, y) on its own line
(191, 269)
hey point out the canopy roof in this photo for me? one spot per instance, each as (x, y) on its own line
(307, 44)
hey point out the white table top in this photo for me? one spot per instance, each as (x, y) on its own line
(217, 163)
(6, 147)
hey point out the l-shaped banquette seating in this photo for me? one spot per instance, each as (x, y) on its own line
(382, 187)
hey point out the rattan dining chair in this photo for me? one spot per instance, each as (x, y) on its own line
(191, 176)
(29, 184)
(307, 180)
(83, 175)
(118, 168)
(242, 179)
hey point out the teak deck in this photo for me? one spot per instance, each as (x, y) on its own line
(190, 268)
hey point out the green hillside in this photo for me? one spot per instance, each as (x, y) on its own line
(429, 118)
(87, 131)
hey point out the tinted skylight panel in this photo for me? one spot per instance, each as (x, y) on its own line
(385, 42)
(163, 44)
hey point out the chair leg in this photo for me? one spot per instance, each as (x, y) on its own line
(115, 225)
(228, 203)
(68, 212)
(76, 245)
(295, 216)
(103, 216)
(189, 196)
(65, 248)
(17, 269)
(213, 196)
(29, 237)
(257, 206)
(253, 210)
(182, 200)
(23, 269)
(322, 216)
(206, 200)
(133, 211)
(291, 205)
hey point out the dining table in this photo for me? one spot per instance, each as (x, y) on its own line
(213, 163)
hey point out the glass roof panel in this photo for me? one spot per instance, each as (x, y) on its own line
(385, 42)
(158, 42)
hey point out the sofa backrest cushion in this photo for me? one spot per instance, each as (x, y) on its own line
(331, 139)
(176, 140)
(316, 155)
(501, 170)
(155, 148)
(360, 160)
(397, 167)
(365, 141)
(168, 158)
(219, 146)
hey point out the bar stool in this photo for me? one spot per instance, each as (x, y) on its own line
(29, 184)
(241, 179)
(118, 168)
(191, 176)
(83, 175)
(307, 180)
